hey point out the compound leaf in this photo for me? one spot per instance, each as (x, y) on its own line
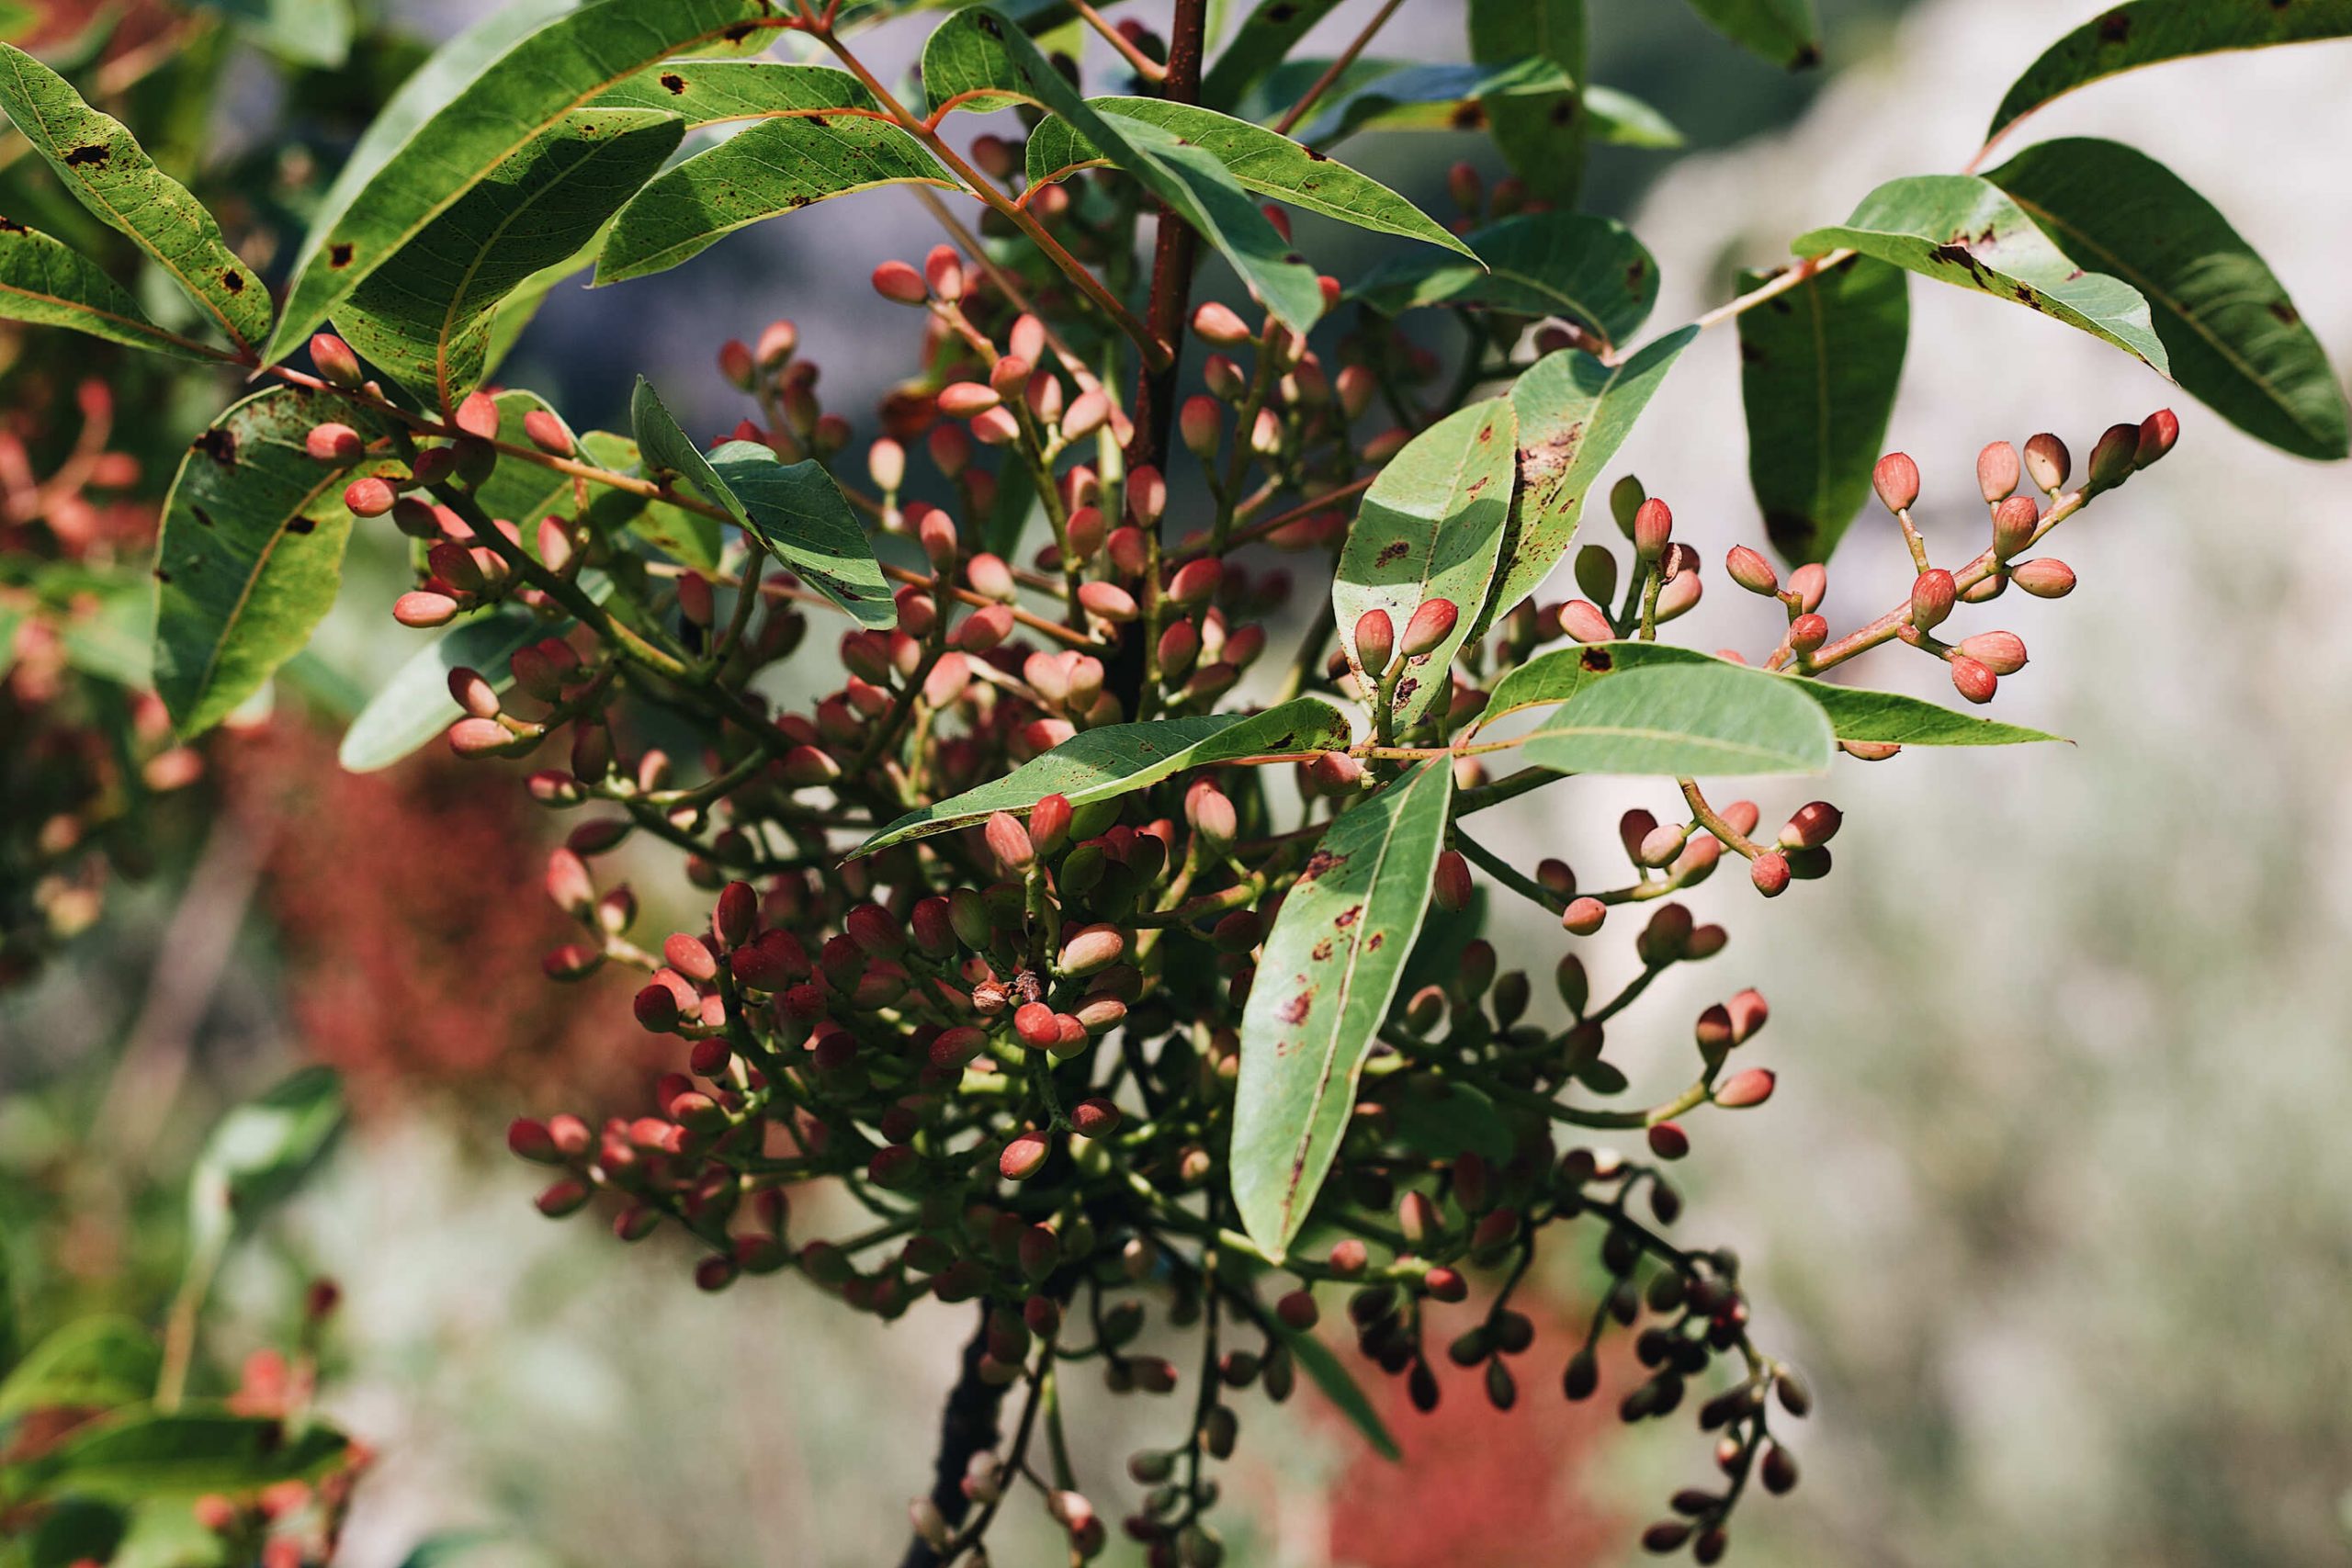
(1960, 230)
(1119, 759)
(1327, 973)
(1818, 368)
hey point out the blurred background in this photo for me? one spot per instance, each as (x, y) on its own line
(2054, 1205)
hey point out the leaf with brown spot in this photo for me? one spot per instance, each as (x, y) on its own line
(1322, 991)
(46, 282)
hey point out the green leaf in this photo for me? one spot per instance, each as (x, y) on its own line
(799, 513)
(1818, 366)
(667, 450)
(1327, 973)
(1713, 719)
(1431, 527)
(104, 167)
(425, 317)
(1541, 137)
(977, 51)
(769, 169)
(1259, 160)
(251, 554)
(75, 1531)
(464, 126)
(1269, 32)
(92, 1363)
(414, 705)
(1854, 712)
(1338, 1385)
(261, 1151)
(1574, 412)
(1440, 1118)
(2148, 32)
(45, 282)
(1960, 230)
(2234, 339)
(688, 537)
(308, 32)
(139, 1453)
(1119, 759)
(1589, 269)
(1781, 31)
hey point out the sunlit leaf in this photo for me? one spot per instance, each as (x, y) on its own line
(47, 283)
(92, 1363)
(1960, 230)
(1818, 368)
(1324, 981)
(1710, 718)
(1119, 759)
(799, 513)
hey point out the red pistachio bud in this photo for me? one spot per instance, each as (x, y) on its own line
(2048, 462)
(1298, 1311)
(944, 270)
(2158, 432)
(1997, 471)
(1932, 597)
(1972, 680)
(899, 283)
(2045, 579)
(734, 918)
(565, 1197)
(1742, 1090)
(1049, 822)
(1023, 1155)
(656, 1009)
(2014, 522)
(1813, 826)
(1108, 601)
(1769, 872)
(735, 363)
(1807, 633)
(1431, 625)
(1195, 583)
(370, 497)
(1668, 1141)
(2114, 457)
(1454, 887)
(1200, 424)
(1036, 1025)
(1653, 528)
(334, 362)
(1897, 480)
(1095, 1118)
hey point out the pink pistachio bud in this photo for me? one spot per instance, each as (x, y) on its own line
(961, 399)
(1096, 1118)
(2048, 462)
(1807, 633)
(1753, 1087)
(735, 364)
(1810, 583)
(2001, 652)
(477, 416)
(334, 362)
(1751, 570)
(472, 691)
(2114, 457)
(1218, 324)
(1431, 625)
(1195, 583)
(1201, 425)
(1023, 1155)
(1087, 412)
(1583, 916)
(944, 270)
(1680, 596)
(1813, 826)
(370, 497)
(2044, 579)
(899, 283)
(1108, 601)
(336, 444)
(1211, 813)
(2158, 432)
(1010, 841)
(1049, 822)
(1091, 948)
(1376, 641)
(1897, 480)
(1653, 528)
(1453, 883)
(1585, 622)
(422, 609)
(546, 432)
(1996, 471)
(2014, 522)
(1932, 596)
(1769, 872)
(1972, 680)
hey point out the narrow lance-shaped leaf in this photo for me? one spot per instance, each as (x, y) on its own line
(1324, 982)
(250, 553)
(1257, 159)
(1782, 32)
(1574, 412)
(1543, 137)
(92, 1363)
(979, 60)
(138, 1453)
(495, 112)
(1589, 269)
(1338, 1385)
(1431, 527)
(2148, 32)
(1818, 368)
(2234, 339)
(1119, 759)
(799, 513)
(1855, 712)
(48, 284)
(1259, 44)
(261, 1151)
(769, 169)
(1710, 718)
(104, 167)
(425, 317)
(1960, 230)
